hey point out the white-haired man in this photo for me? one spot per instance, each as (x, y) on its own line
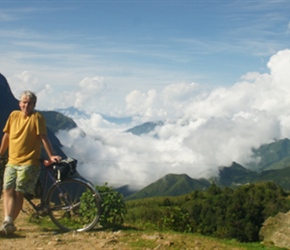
(24, 133)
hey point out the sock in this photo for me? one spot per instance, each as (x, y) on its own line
(8, 219)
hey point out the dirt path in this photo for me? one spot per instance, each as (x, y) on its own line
(32, 236)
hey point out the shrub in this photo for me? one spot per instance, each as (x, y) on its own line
(113, 206)
(176, 219)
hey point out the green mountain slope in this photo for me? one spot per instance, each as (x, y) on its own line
(280, 176)
(235, 175)
(171, 185)
(56, 121)
(275, 155)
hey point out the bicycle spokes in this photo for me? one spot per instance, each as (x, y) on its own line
(73, 205)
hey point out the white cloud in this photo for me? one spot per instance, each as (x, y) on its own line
(279, 65)
(203, 128)
(88, 93)
(211, 129)
(145, 105)
(25, 81)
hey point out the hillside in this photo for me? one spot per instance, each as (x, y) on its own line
(171, 185)
(7, 102)
(56, 121)
(233, 176)
(275, 155)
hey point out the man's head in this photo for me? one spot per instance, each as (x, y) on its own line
(27, 102)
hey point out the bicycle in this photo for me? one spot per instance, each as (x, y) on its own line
(73, 204)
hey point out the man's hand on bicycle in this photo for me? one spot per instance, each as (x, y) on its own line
(51, 160)
(55, 158)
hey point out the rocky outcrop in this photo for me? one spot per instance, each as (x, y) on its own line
(276, 231)
(7, 102)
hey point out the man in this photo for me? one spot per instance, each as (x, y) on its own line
(24, 133)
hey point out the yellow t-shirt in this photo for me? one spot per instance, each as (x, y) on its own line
(24, 141)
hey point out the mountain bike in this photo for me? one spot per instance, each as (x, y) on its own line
(72, 203)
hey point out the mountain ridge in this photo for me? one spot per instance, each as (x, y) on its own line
(232, 176)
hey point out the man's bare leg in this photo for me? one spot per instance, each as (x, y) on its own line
(12, 205)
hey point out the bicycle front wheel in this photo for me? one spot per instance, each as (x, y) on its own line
(74, 204)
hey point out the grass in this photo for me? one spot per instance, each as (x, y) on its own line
(133, 238)
(136, 238)
(150, 239)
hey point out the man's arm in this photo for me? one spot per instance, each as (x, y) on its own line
(48, 148)
(4, 144)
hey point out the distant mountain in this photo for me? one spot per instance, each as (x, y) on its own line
(73, 113)
(171, 185)
(125, 190)
(275, 155)
(236, 175)
(144, 128)
(56, 121)
(117, 120)
(233, 176)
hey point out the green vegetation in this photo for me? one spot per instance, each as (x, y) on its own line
(150, 240)
(221, 218)
(224, 213)
(113, 207)
(87, 209)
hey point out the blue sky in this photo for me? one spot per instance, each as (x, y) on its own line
(217, 73)
(140, 44)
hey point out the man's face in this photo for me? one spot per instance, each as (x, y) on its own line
(26, 105)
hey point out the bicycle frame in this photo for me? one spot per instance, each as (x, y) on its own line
(71, 204)
(40, 208)
(43, 208)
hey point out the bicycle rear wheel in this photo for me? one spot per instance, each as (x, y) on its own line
(74, 204)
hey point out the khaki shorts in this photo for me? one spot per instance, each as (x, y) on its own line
(22, 178)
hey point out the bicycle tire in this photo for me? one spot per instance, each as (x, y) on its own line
(74, 204)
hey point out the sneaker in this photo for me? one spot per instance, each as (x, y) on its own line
(7, 228)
